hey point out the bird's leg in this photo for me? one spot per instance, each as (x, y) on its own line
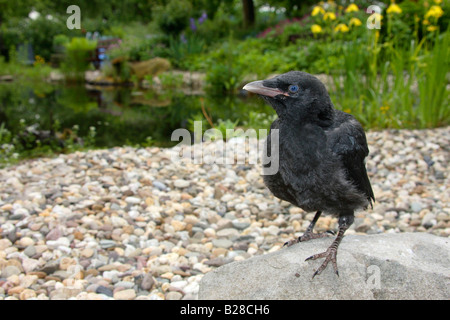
(330, 255)
(309, 234)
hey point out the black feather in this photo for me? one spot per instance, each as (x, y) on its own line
(321, 149)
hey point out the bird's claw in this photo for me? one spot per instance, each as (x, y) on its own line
(290, 243)
(329, 255)
(308, 235)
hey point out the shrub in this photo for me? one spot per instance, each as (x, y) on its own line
(174, 16)
(39, 33)
(76, 60)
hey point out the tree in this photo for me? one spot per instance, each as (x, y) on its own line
(249, 13)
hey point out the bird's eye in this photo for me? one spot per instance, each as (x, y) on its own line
(293, 88)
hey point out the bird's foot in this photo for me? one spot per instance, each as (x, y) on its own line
(329, 255)
(308, 235)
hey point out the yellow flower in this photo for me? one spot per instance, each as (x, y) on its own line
(426, 22)
(38, 60)
(329, 16)
(437, 1)
(341, 28)
(355, 22)
(317, 10)
(384, 109)
(351, 8)
(315, 28)
(435, 11)
(393, 8)
(432, 28)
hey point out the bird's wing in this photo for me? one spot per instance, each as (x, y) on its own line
(348, 140)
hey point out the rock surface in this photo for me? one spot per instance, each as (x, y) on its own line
(384, 266)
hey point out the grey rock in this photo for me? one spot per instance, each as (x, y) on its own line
(9, 271)
(384, 266)
(30, 250)
(104, 290)
(181, 183)
(17, 216)
(50, 267)
(416, 206)
(147, 282)
(222, 243)
(105, 244)
(240, 225)
(54, 234)
(217, 262)
(159, 185)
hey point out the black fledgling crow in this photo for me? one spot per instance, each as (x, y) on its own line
(321, 155)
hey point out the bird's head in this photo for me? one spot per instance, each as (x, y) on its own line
(297, 96)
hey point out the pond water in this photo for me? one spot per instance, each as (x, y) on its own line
(120, 115)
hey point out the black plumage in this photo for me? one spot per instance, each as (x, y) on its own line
(321, 154)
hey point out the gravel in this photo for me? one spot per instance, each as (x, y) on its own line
(128, 223)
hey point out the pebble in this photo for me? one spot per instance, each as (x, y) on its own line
(104, 290)
(160, 185)
(132, 200)
(30, 251)
(128, 223)
(27, 294)
(127, 294)
(10, 271)
(222, 243)
(181, 183)
(174, 295)
(147, 282)
(416, 206)
(26, 241)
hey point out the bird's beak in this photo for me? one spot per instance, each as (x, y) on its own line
(259, 88)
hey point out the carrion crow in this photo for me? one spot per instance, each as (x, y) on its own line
(321, 155)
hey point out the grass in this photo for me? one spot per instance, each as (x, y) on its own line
(26, 72)
(433, 106)
(389, 86)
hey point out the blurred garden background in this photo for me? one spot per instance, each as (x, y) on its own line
(138, 69)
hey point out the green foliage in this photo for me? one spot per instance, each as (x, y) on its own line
(60, 40)
(39, 33)
(182, 48)
(171, 80)
(224, 125)
(19, 71)
(7, 148)
(174, 16)
(76, 60)
(223, 78)
(433, 93)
